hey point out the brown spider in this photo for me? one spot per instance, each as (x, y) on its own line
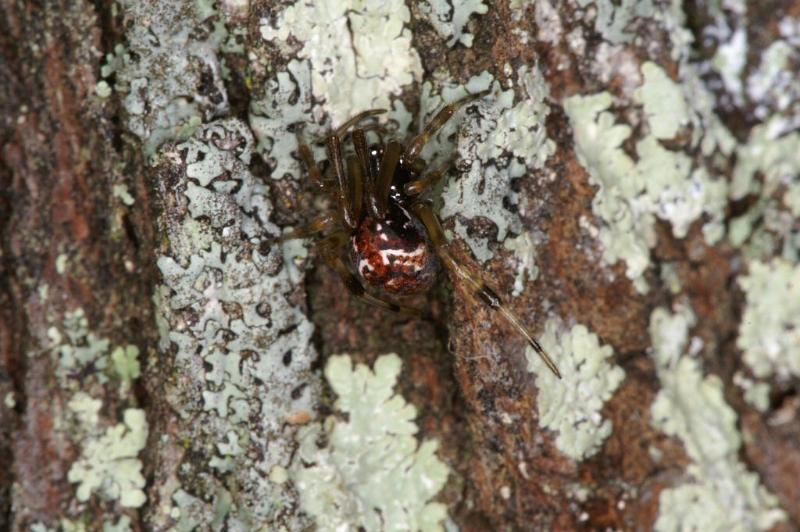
(385, 227)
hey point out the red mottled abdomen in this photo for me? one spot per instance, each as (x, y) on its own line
(395, 254)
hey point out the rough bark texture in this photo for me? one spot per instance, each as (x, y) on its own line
(139, 192)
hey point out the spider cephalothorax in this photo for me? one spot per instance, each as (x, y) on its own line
(384, 231)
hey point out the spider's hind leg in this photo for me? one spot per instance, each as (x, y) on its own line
(476, 284)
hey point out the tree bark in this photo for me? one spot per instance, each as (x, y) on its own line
(162, 356)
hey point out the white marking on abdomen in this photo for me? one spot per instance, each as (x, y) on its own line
(402, 255)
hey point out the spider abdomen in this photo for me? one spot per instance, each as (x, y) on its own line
(395, 253)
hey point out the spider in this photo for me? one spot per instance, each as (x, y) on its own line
(384, 231)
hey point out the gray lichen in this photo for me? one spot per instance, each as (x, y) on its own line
(358, 53)
(169, 72)
(449, 17)
(498, 144)
(241, 349)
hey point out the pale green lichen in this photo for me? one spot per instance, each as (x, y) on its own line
(78, 347)
(524, 248)
(769, 334)
(62, 261)
(436, 94)
(612, 21)
(730, 61)
(122, 525)
(772, 153)
(338, 74)
(500, 143)
(120, 191)
(125, 363)
(85, 409)
(721, 494)
(191, 513)
(665, 108)
(627, 233)
(773, 84)
(9, 401)
(448, 18)
(571, 405)
(756, 394)
(371, 473)
(359, 53)
(109, 465)
(102, 89)
(548, 19)
(661, 182)
(670, 277)
(279, 475)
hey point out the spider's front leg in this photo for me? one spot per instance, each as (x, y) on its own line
(477, 286)
(344, 190)
(414, 147)
(427, 181)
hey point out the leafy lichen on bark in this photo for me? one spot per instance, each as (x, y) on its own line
(180, 82)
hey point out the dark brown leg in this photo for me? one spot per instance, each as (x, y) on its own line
(345, 199)
(320, 224)
(330, 248)
(341, 130)
(377, 128)
(426, 182)
(380, 200)
(477, 286)
(414, 147)
(314, 173)
(356, 175)
(367, 170)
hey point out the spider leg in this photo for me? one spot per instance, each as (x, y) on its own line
(414, 147)
(427, 181)
(314, 173)
(476, 284)
(330, 249)
(379, 130)
(356, 175)
(360, 146)
(320, 224)
(334, 146)
(367, 170)
(380, 198)
(341, 130)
